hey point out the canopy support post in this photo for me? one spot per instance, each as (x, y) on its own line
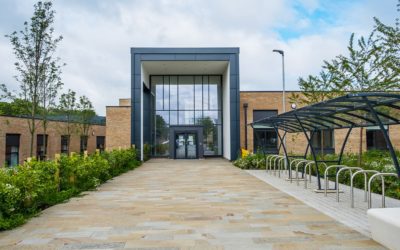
(280, 142)
(308, 145)
(344, 144)
(385, 135)
(284, 149)
(312, 150)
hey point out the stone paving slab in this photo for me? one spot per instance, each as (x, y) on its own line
(355, 218)
(184, 204)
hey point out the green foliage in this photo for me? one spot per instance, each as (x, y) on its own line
(31, 187)
(253, 161)
(371, 64)
(38, 68)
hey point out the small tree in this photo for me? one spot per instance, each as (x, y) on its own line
(86, 114)
(68, 108)
(372, 64)
(38, 69)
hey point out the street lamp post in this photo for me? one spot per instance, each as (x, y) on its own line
(283, 90)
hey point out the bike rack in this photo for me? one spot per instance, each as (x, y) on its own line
(365, 185)
(308, 166)
(337, 178)
(267, 161)
(326, 177)
(271, 161)
(275, 161)
(291, 166)
(297, 170)
(382, 175)
(281, 165)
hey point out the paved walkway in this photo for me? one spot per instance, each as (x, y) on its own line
(355, 218)
(198, 204)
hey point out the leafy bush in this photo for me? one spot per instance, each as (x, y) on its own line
(253, 161)
(33, 186)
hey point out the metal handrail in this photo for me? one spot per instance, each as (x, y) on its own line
(365, 184)
(326, 178)
(337, 178)
(382, 175)
(308, 166)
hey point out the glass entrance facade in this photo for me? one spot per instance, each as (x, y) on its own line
(186, 100)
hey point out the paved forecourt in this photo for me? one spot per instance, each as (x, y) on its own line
(185, 204)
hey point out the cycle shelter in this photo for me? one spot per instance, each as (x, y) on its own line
(350, 111)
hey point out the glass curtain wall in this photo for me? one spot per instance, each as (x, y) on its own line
(187, 100)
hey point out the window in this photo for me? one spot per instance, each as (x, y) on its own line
(187, 100)
(41, 147)
(64, 144)
(327, 140)
(12, 149)
(84, 143)
(375, 139)
(100, 143)
(265, 138)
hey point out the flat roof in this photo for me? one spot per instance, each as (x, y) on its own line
(188, 50)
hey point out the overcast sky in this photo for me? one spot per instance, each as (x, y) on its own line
(98, 35)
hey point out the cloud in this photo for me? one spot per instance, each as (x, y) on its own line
(98, 36)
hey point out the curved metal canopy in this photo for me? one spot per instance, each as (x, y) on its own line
(351, 110)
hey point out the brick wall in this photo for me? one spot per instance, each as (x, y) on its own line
(118, 129)
(14, 125)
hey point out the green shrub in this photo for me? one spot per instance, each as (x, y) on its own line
(33, 186)
(253, 161)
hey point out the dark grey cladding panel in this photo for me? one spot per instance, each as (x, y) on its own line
(185, 57)
(209, 50)
(136, 98)
(234, 79)
(157, 57)
(212, 57)
(186, 54)
(137, 66)
(233, 66)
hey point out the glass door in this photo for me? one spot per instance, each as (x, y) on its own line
(186, 145)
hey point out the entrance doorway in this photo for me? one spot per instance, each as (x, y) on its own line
(186, 145)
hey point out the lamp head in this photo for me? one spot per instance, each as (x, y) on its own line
(279, 51)
(293, 106)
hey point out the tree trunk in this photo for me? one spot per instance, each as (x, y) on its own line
(32, 132)
(44, 140)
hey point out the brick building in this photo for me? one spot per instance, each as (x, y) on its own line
(261, 104)
(15, 139)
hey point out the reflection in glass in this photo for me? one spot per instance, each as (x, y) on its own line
(161, 134)
(186, 97)
(215, 89)
(186, 117)
(187, 100)
(215, 116)
(212, 138)
(205, 93)
(173, 92)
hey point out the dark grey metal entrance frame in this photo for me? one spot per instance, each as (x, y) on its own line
(329, 114)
